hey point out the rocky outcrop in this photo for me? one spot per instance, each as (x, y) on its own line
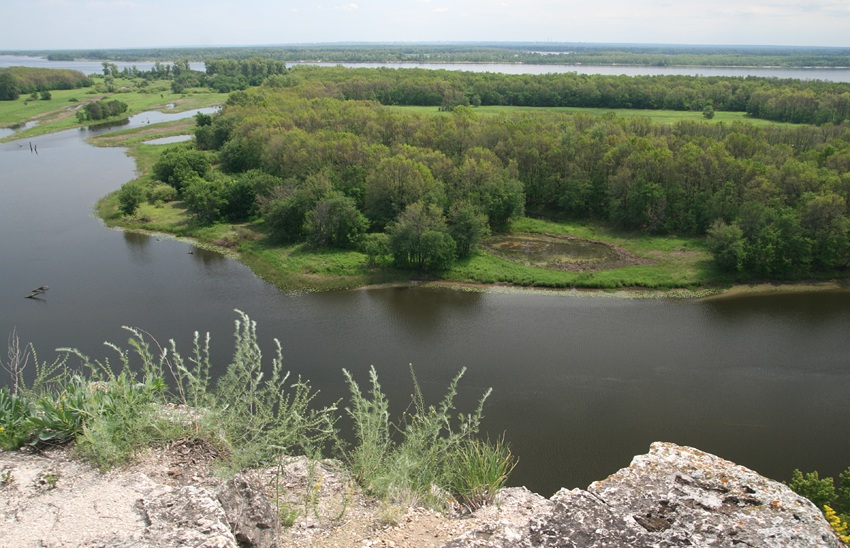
(672, 496)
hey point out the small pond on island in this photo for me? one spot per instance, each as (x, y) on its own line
(580, 384)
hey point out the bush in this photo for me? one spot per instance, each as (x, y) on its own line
(179, 164)
(161, 192)
(100, 110)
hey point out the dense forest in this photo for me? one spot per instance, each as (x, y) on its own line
(782, 100)
(495, 52)
(423, 189)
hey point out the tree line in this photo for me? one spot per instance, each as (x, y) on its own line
(783, 100)
(546, 53)
(15, 81)
(420, 190)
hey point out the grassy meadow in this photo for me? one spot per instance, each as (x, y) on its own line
(59, 112)
(658, 116)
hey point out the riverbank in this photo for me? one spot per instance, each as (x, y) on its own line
(31, 118)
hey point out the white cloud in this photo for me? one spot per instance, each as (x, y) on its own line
(441, 10)
(351, 6)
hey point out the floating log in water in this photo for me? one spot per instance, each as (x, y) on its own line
(37, 291)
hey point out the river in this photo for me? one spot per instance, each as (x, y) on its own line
(815, 73)
(581, 384)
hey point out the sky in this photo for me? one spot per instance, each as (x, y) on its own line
(88, 24)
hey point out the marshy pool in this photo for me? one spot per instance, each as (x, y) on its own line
(559, 252)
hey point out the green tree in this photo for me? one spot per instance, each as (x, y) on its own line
(727, 244)
(395, 184)
(420, 239)
(9, 89)
(130, 197)
(376, 246)
(286, 212)
(467, 226)
(178, 164)
(335, 221)
(708, 111)
(204, 199)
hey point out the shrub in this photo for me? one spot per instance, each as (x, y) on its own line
(438, 461)
(161, 192)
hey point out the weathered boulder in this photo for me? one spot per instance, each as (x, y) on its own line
(252, 518)
(186, 516)
(672, 496)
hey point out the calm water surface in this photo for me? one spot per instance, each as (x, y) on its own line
(580, 384)
(835, 75)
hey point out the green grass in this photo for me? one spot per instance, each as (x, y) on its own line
(60, 113)
(677, 262)
(660, 116)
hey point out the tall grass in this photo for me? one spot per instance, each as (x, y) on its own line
(431, 456)
(252, 415)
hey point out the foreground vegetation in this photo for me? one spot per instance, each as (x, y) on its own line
(834, 503)
(252, 415)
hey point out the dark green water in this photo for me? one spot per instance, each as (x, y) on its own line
(580, 384)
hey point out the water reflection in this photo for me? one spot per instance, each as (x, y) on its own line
(423, 312)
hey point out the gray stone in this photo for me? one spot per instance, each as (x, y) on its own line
(186, 516)
(672, 496)
(253, 520)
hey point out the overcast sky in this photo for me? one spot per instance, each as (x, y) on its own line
(80, 24)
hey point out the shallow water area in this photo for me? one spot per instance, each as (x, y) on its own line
(169, 140)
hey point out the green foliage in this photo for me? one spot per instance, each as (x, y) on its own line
(264, 413)
(15, 80)
(177, 165)
(727, 244)
(286, 210)
(820, 491)
(204, 199)
(100, 110)
(9, 88)
(130, 197)
(16, 410)
(467, 227)
(335, 222)
(438, 459)
(420, 239)
(396, 183)
(252, 414)
(376, 246)
(161, 192)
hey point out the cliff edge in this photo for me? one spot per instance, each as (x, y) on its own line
(671, 496)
